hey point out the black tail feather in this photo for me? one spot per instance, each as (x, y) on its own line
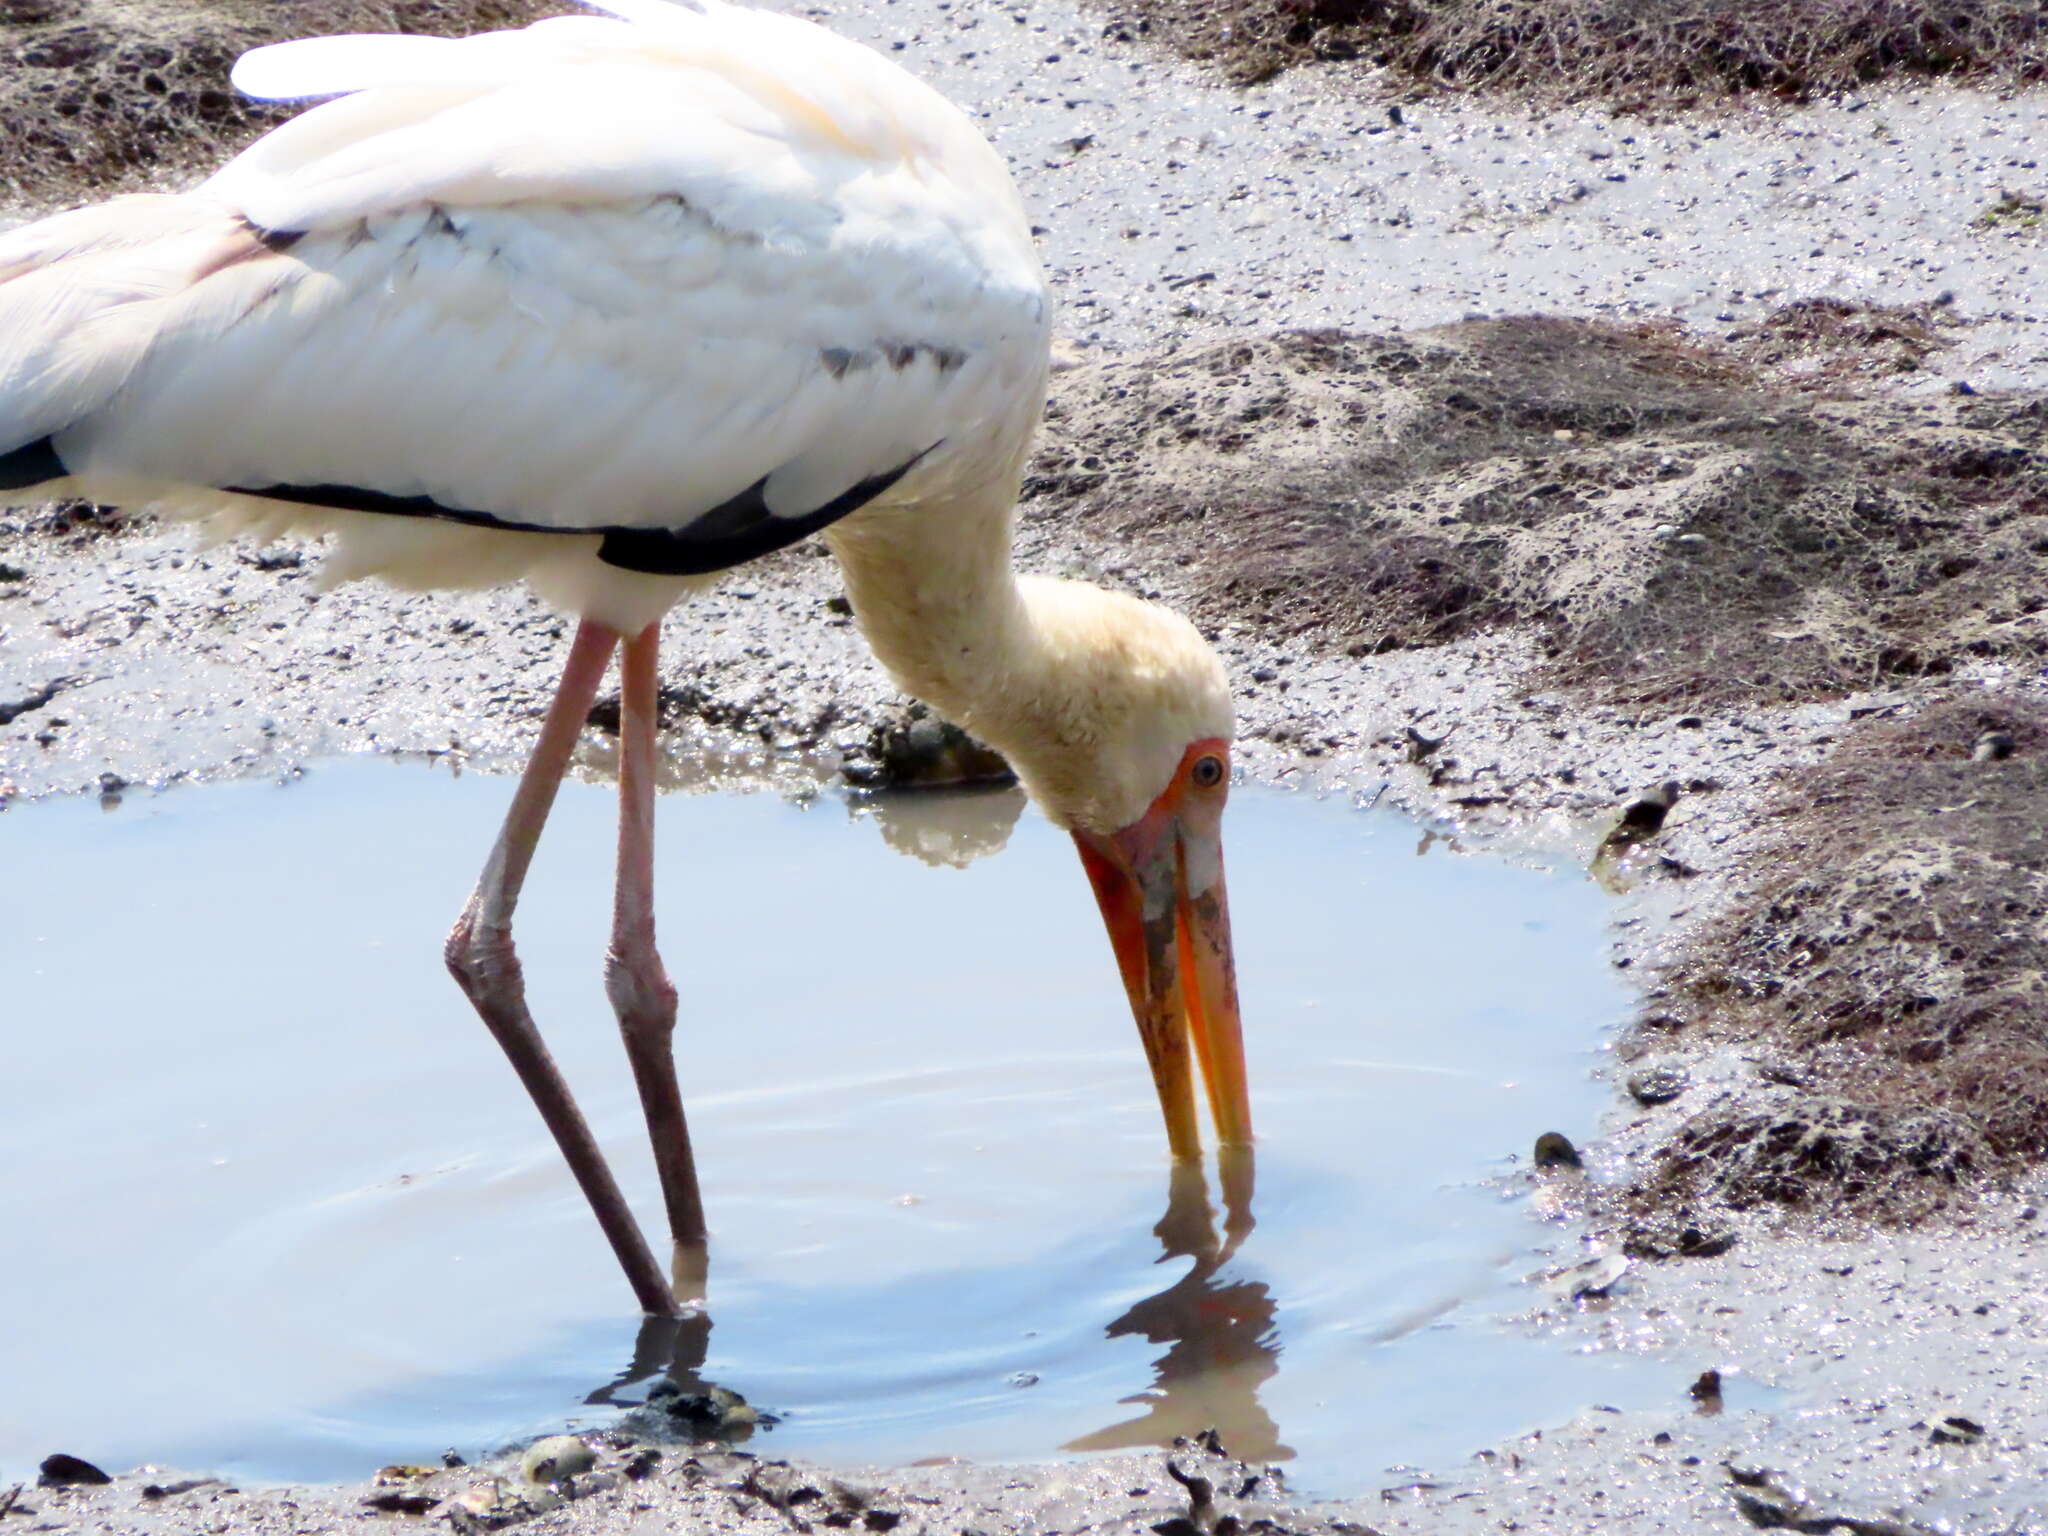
(31, 464)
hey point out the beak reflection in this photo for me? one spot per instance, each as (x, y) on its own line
(1221, 1339)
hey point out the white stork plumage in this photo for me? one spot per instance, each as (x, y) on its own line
(611, 304)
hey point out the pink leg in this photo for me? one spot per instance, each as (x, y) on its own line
(634, 977)
(480, 956)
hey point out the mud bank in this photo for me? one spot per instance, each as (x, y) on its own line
(1939, 1437)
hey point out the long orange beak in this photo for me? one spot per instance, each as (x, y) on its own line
(1159, 883)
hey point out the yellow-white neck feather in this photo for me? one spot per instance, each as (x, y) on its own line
(1093, 696)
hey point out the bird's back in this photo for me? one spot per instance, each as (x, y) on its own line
(609, 302)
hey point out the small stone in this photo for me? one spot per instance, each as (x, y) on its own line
(484, 1501)
(1706, 1391)
(717, 1413)
(1555, 1150)
(555, 1459)
(1956, 1430)
(914, 749)
(1422, 748)
(1694, 1243)
(1658, 1085)
(781, 1486)
(1992, 747)
(64, 1471)
(737, 1418)
(394, 1502)
(1643, 817)
(1596, 1279)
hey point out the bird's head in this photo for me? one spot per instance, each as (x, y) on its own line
(1122, 735)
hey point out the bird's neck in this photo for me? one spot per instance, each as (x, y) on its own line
(934, 592)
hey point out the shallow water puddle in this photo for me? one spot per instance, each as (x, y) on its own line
(276, 1207)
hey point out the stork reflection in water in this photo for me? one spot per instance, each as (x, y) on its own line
(1219, 1329)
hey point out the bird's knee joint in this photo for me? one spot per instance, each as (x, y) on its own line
(478, 956)
(640, 991)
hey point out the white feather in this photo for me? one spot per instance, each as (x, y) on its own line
(602, 272)
(334, 66)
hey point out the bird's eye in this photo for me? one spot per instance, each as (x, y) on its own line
(1207, 772)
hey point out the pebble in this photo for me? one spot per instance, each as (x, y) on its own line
(1992, 747)
(1956, 1430)
(1706, 1391)
(63, 1471)
(1596, 1279)
(555, 1459)
(717, 1413)
(1658, 1085)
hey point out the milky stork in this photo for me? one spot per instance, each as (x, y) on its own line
(611, 304)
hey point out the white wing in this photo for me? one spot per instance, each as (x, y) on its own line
(677, 273)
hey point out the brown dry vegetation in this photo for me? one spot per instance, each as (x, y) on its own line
(110, 95)
(1893, 941)
(1630, 51)
(1684, 526)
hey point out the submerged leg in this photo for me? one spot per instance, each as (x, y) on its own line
(634, 977)
(480, 957)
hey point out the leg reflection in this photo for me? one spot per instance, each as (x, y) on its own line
(1219, 1334)
(671, 1349)
(679, 1403)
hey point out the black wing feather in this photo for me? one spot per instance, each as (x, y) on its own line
(738, 529)
(32, 464)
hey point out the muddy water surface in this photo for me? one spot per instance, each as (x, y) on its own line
(275, 1206)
